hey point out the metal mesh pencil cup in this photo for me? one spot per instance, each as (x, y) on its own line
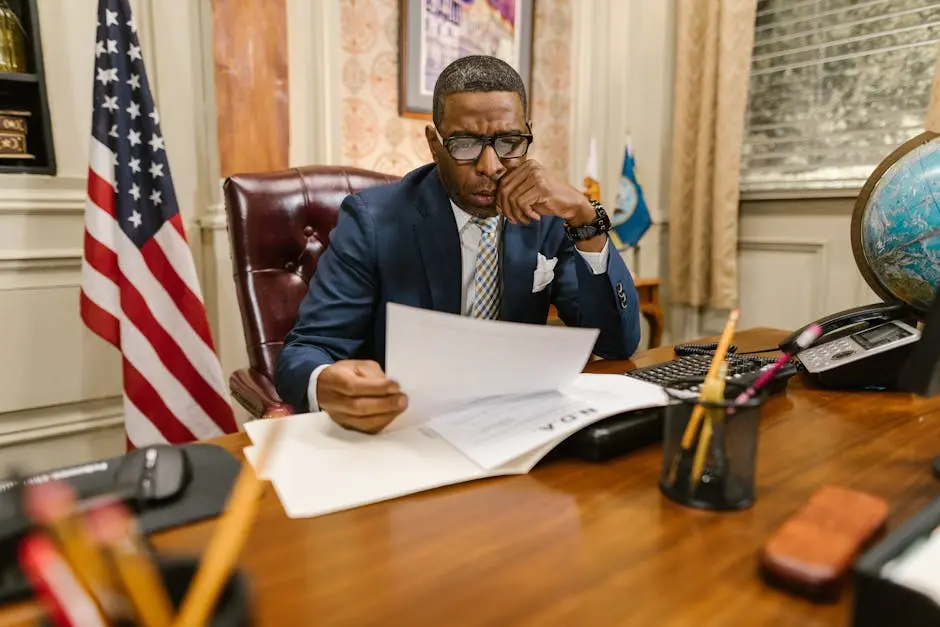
(720, 476)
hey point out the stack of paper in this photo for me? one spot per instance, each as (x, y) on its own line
(457, 428)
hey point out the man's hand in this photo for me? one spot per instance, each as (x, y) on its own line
(357, 395)
(530, 191)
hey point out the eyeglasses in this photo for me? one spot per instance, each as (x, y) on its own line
(469, 148)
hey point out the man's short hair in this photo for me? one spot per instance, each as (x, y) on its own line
(475, 73)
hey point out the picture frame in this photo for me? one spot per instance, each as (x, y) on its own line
(433, 33)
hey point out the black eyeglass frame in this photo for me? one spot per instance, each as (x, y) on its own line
(486, 141)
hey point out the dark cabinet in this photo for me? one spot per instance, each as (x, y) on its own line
(25, 128)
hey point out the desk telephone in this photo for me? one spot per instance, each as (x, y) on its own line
(861, 348)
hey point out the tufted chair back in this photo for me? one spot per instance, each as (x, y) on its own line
(279, 225)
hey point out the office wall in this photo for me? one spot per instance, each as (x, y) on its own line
(60, 393)
(622, 86)
(60, 384)
(374, 136)
(803, 239)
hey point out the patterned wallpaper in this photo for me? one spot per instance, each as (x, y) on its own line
(375, 137)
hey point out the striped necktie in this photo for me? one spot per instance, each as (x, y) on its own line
(486, 296)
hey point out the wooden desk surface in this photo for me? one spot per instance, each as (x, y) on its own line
(575, 543)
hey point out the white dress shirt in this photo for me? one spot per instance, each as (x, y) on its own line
(470, 236)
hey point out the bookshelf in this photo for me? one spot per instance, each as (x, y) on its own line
(24, 101)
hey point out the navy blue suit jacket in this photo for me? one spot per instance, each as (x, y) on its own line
(399, 243)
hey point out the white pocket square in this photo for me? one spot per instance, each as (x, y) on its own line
(544, 273)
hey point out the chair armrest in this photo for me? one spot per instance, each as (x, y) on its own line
(256, 393)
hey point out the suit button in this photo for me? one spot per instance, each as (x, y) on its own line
(308, 231)
(619, 288)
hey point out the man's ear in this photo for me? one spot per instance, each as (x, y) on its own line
(430, 133)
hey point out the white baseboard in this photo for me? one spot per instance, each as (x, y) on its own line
(74, 419)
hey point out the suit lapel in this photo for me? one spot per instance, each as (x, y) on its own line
(518, 258)
(439, 244)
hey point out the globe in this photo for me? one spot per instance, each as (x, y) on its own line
(896, 225)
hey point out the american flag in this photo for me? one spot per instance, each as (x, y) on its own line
(140, 290)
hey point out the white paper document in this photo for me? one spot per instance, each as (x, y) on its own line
(318, 467)
(494, 432)
(442, 359)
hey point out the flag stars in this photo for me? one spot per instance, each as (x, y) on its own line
(134, 110)
(132, 25)
(155, 198)
(134, 165)
(106, 76)
(156, 170)
(134, 81)
(156, 143)
(99, 49)
(112, 46)
(156, 116)
(135, 219)
(110, 103)
(110, 17)
(135, 191)
(113, 131)
(133, 52)
(133, 137)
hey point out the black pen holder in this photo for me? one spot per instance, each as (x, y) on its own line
(233, 607)
(879, 601)
(726, 464)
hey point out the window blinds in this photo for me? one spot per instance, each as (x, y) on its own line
(835, 86)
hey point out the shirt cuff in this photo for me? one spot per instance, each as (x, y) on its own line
(312, 388)
(597, 261)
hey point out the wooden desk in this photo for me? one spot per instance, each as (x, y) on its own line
(650, 308)
(574, 543)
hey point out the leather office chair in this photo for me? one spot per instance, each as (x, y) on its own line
(279, 225)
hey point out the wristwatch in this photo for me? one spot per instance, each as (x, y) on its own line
(600, 225)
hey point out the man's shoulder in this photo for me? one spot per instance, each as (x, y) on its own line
(392, 196)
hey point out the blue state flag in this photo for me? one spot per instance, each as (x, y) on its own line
(631, 218)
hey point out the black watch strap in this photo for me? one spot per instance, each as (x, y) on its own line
(599, 226)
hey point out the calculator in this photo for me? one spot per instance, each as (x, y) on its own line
(681, 375)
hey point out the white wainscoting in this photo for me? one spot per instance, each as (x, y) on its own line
(60, 386)
(51, 437)
(795, 262)
(785, 280)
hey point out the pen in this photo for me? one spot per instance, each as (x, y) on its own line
(53, 506)
(806, 338)
(67, 603)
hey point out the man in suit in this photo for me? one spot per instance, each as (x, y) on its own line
(483, 232)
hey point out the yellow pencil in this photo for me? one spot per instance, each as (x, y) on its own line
(720, 353)
(712, 392)
(228, 540)
(698, 412)
(114, 528)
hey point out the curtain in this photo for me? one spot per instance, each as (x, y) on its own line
(932, 121)
(714, 39)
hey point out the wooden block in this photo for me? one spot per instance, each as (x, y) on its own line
(812, 552)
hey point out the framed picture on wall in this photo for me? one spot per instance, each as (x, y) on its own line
(436, 32)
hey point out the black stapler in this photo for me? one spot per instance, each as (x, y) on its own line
(152, 474)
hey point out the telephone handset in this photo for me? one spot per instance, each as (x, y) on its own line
(843, 322)
(860, 348)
